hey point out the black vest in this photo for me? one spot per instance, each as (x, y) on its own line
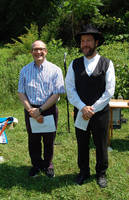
(90, 88)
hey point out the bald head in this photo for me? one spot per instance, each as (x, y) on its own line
(38, 42)
(39, 52)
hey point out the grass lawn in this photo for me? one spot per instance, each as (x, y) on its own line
(16, 185)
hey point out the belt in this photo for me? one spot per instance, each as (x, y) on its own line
(35, 106)
(51, 110)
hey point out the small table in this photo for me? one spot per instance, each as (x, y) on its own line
(115, 103)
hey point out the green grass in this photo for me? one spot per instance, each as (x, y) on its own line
(16, 185)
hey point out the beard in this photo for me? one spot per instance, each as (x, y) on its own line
(90, 52)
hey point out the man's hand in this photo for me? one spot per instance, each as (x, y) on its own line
(40, 119)
(34, 112)
(87, 112)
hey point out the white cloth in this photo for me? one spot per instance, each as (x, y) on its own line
(90, 65)
(80, 122)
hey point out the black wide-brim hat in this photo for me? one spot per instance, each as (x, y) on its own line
(90, 29)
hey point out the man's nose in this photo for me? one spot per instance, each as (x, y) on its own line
(85, 42)
(38, 50)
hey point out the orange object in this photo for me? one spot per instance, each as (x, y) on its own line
(4, 127)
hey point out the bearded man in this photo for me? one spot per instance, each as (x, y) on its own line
(90, 83)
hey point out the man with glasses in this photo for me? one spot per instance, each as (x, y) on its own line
(40, 85)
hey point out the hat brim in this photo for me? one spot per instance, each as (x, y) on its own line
(98, 35)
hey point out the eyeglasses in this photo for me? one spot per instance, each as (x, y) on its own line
(38, 49)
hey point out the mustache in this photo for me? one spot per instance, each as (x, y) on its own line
(85, 47)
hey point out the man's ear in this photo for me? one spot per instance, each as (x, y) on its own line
(97, 42)
(46, 52)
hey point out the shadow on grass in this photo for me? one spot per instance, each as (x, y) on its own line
(12, 176)
(116, 144)
(120, 144)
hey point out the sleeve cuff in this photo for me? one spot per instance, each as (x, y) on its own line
(81, 105)
(59, 91)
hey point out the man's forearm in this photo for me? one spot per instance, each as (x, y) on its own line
(24, 101)
(50, 102)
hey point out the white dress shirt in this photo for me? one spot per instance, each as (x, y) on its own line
(90, 65)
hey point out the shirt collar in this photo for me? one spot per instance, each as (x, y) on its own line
(86, 60)
(42, 65)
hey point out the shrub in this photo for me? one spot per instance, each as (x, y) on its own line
(50, 31)
(56, 53)
(23, 44)
(9, 75)
(119, 53)
(11, 65)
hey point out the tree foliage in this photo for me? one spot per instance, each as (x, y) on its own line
(22, 44)
(73, 14)
(62, 19)
(18, 14)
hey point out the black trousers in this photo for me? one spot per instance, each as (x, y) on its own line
(41, 157)
(98, 127)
